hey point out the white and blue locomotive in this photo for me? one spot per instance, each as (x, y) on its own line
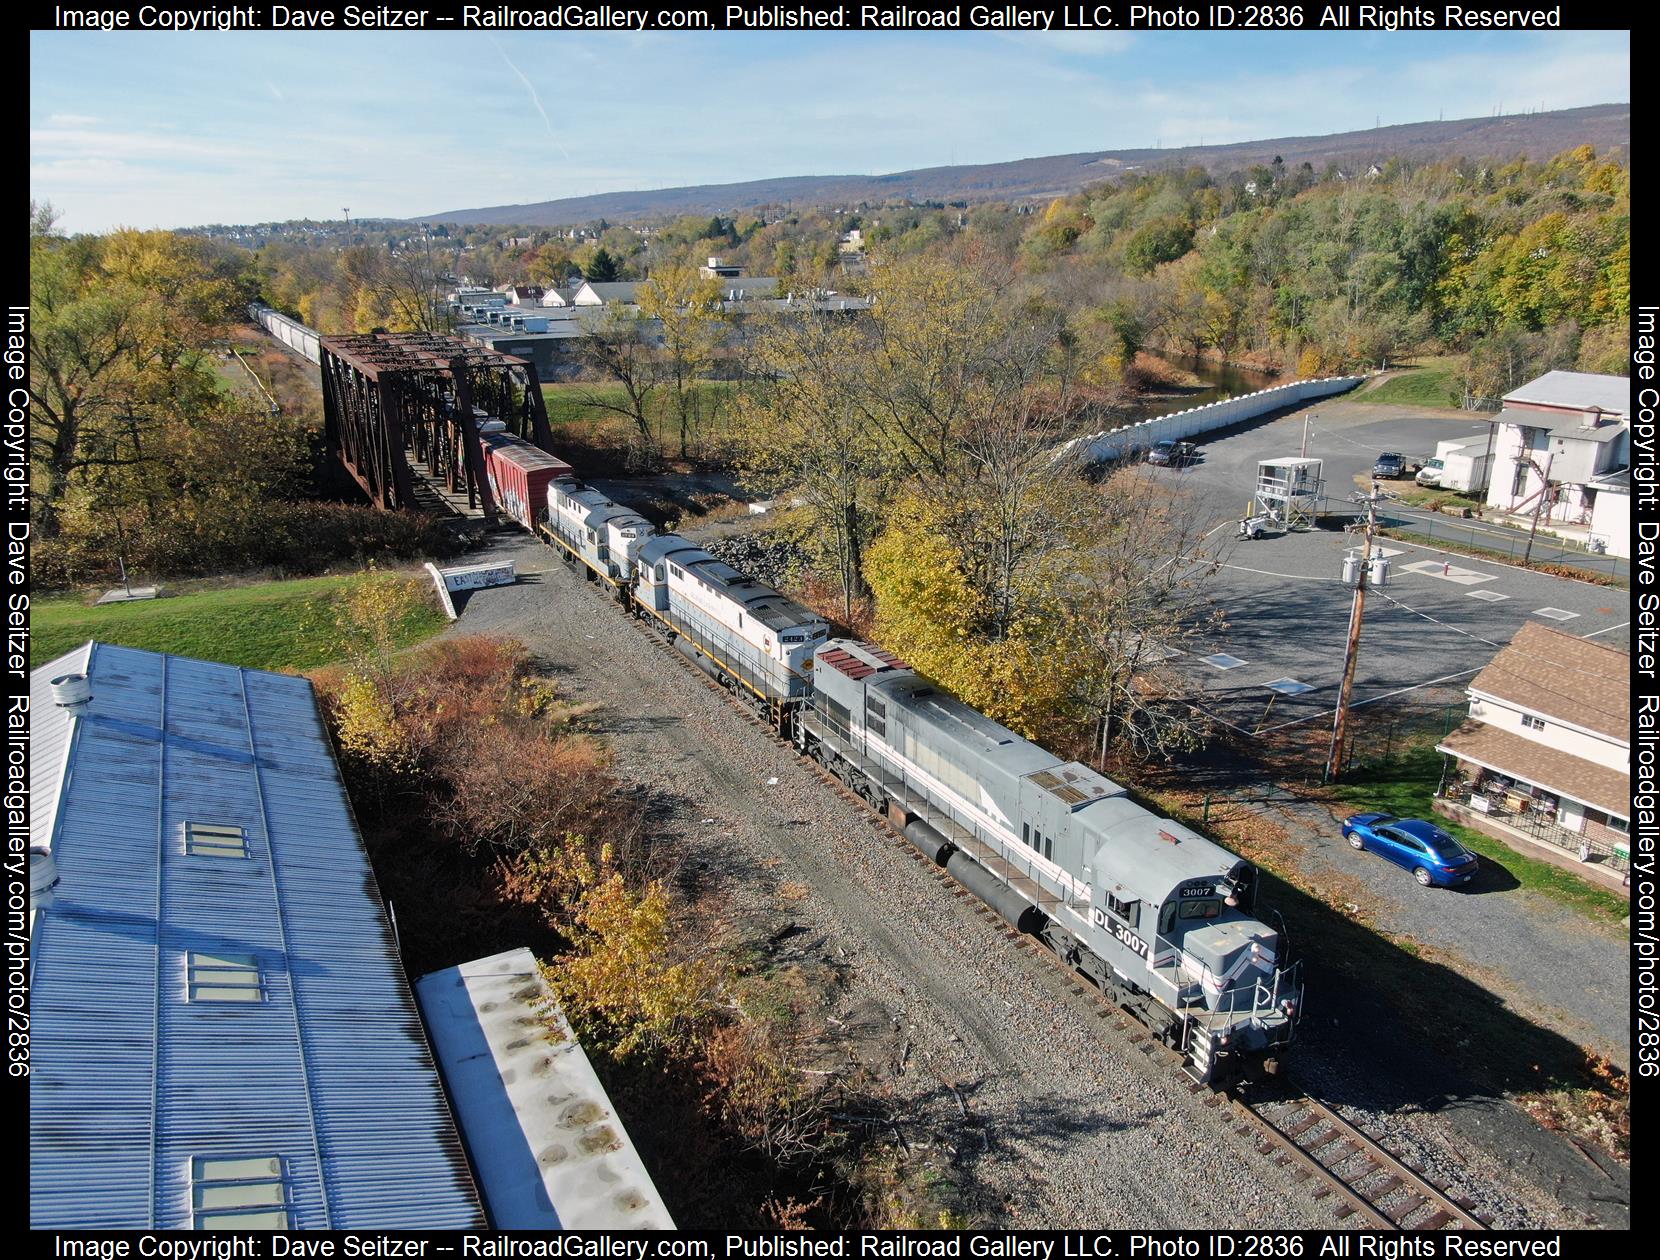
(1151, 911)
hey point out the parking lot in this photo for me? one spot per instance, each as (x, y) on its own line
(1439, 620)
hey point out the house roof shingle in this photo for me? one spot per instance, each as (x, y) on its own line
(1563, 676)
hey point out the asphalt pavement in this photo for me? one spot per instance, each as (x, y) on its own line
(1440, 618)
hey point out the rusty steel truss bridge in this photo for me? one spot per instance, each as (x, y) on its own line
(389, 398)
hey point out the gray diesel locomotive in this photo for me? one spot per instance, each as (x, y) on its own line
(1154, 913)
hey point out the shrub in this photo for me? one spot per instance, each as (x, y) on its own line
(198, 538)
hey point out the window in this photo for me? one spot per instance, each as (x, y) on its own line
(239, 1194)
(1167, 918)
(214, 840)
(1402, 839)
(1532, 723)
(1201, 907)
(224, 978)
(1129, 911)
(659, 573)
(1026, 834)
(1049, 846)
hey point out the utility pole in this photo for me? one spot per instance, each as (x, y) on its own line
(1544, 494)
(1304, 450)
(1357, 613)
(348, 213)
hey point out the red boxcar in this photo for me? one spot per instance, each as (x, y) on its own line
(519, 474)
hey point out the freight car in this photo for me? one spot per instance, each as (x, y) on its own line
(1152, 912)
(520, 474)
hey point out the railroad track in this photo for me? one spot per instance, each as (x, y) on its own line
(1294, 1130)
(1303, 1133)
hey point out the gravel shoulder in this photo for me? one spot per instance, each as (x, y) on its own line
(1046, 1115)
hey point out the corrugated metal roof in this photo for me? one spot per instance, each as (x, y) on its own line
(550, 1150)
(330, 1072)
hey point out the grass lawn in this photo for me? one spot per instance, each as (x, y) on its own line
(1433, 382)
(1428, 496)
(271, 625)
(1406, 789)
(567, 405)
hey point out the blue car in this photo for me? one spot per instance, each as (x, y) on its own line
(1434, 858)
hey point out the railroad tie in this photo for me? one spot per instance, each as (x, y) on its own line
(1304, 1125)
(1406, 1207)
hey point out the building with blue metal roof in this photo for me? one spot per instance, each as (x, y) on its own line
(223, 1034)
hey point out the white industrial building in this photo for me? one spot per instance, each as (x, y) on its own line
(1559, 445)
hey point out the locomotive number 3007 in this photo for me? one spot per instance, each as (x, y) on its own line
(1130, 938)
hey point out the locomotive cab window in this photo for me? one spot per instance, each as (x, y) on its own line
(659, 573)
(1201, 907)
(1129, 911)
(1167, 918)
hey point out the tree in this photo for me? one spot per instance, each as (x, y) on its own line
(603, 266)
(617, 348)
(116, 339)
(687, 308)
(799, 435)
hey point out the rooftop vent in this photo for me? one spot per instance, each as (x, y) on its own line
(43, 877)
(72, 692)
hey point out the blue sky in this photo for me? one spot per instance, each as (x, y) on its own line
(162, 130)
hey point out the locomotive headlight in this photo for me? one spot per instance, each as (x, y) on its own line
(1289, 1006)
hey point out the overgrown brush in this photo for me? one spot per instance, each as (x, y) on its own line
(204, 538)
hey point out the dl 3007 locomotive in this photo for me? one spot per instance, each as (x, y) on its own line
(1154, 913)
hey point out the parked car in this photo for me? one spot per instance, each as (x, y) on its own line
(1433, 857)
(1390, 465)
(1170, 452)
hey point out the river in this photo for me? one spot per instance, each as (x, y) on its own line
(1222, 380)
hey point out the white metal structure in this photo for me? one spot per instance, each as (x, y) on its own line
(1290, 487)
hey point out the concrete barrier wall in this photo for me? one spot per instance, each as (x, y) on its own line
(296, 336)
(1130, 438)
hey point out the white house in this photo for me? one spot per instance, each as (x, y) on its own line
(1557, 438)
(1546, 752)
(604, 293)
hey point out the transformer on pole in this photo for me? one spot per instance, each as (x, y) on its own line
(1363, 568)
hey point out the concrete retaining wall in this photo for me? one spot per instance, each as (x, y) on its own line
(1130, 438)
